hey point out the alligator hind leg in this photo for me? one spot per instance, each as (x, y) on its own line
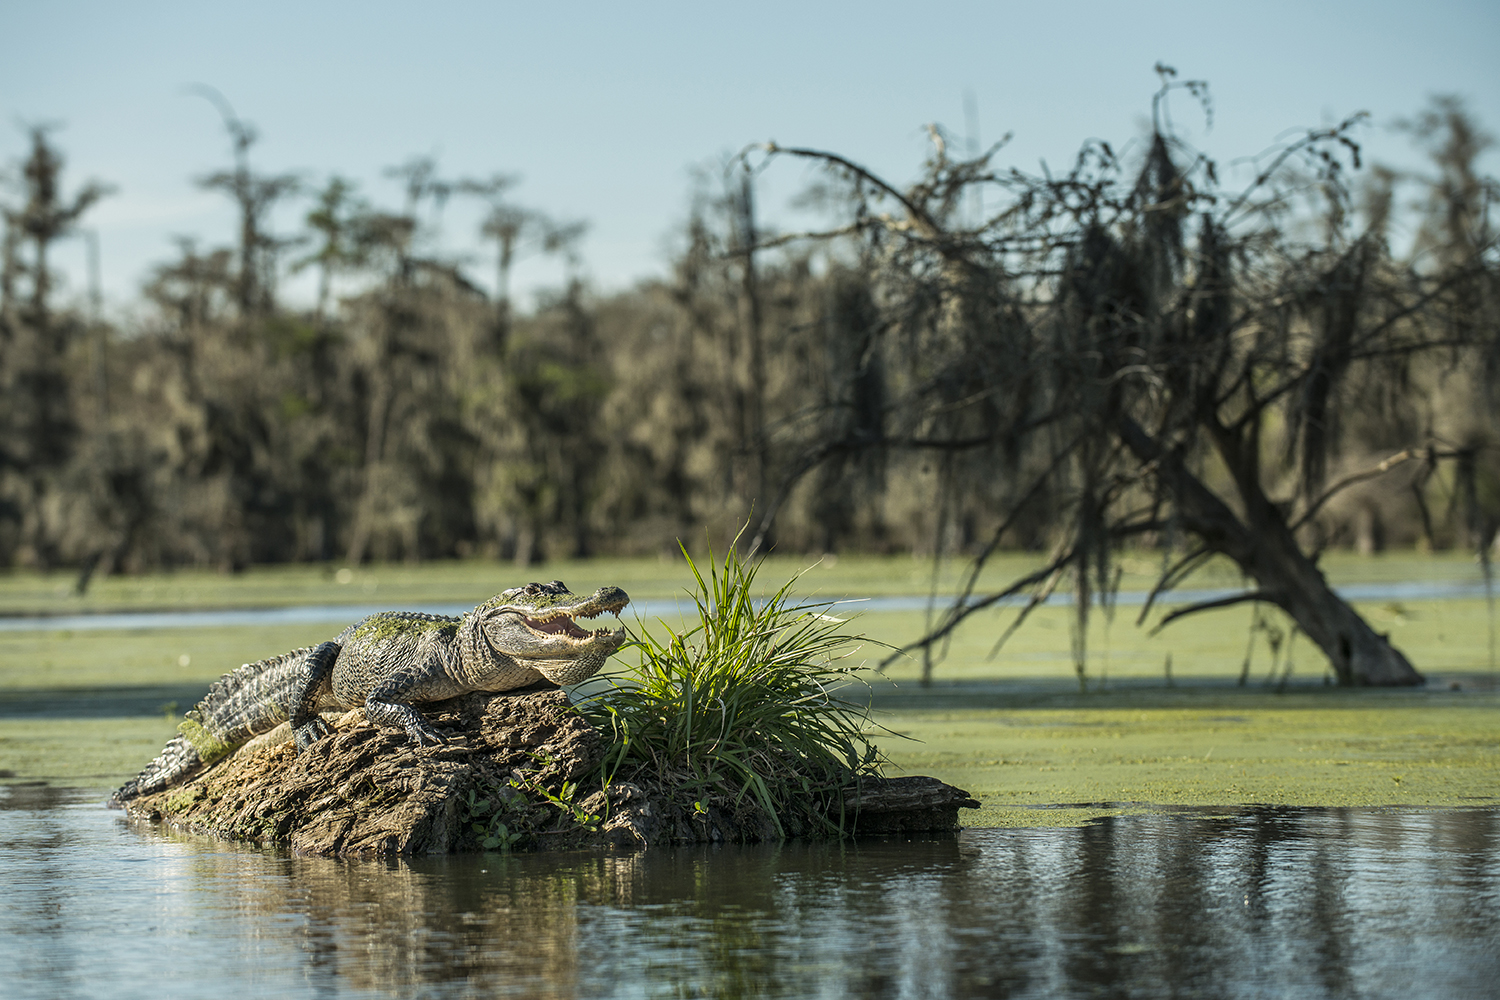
(313, 682)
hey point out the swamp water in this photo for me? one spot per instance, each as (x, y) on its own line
(1241, 903)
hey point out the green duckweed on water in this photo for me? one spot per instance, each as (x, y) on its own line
(1203, 747)
(472, 581)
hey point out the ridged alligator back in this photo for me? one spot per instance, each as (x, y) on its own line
(376, 648)
(242, 704)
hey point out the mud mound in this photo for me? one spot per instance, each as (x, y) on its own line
(508, 778)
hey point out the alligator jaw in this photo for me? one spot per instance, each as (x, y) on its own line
(561, 625)
(564, 626)
(540, 624)
(559, 620)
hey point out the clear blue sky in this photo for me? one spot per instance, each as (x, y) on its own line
(605, 110)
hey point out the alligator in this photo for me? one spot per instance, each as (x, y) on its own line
(387, 663)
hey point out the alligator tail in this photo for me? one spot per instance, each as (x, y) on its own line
(177, 760)
(238, 706)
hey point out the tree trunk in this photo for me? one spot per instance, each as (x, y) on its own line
(1263, 546)
(752, 427)
(1359, 655)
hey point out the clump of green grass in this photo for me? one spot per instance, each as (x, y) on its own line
(744, 707)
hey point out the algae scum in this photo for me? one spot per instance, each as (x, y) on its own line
(1202, 746)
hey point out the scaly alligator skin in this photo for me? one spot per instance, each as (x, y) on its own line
(387, 663)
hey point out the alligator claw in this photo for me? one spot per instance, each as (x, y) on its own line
(310, 732)
(426, 736)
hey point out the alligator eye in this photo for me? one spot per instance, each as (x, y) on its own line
(557, 587)
(532, 588)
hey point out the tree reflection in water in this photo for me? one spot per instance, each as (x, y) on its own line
(1283, 902)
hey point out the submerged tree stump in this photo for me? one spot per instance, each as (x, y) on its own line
(508, 778)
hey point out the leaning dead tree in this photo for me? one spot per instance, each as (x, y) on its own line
(1153, 359)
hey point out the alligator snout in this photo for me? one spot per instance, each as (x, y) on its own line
(611, 599)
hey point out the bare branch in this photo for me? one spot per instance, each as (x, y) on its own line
(959, 613)
(1174, 575)
(1379, 469)
(915, 211)
(1223, 602)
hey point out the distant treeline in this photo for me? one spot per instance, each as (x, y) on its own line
(910, 379)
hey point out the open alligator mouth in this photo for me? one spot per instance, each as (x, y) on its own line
(560, 621)
(562, 625)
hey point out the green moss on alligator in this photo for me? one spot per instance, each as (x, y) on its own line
(208, 746)
(393, 625)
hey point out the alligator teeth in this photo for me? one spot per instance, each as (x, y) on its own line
(556, 625)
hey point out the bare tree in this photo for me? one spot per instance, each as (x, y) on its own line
(749, 389)
(336, 220)
(406, 359)
(44, 217)
(254, 195)
(515, 229)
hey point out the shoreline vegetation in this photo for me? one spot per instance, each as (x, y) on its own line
(86, 709)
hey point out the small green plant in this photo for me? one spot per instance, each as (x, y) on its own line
(483, 813)
(747, 702)
(565, 800)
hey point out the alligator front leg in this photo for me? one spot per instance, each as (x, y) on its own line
(313, 681)
(385, 706)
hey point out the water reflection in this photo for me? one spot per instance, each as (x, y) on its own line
(1316, 903)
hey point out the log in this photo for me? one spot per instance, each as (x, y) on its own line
(909, 804)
